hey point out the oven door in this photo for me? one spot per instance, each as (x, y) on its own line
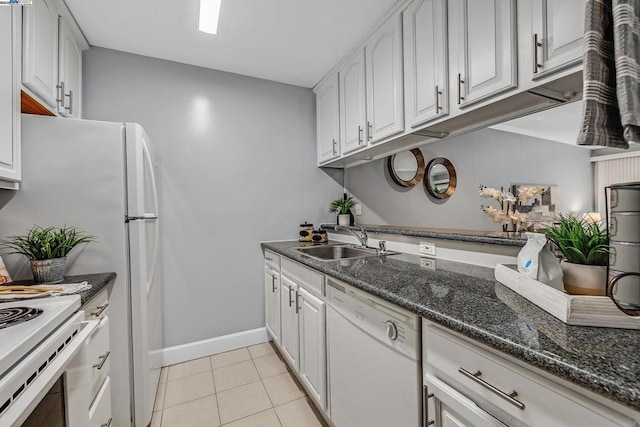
(445, 406)
(36, 390)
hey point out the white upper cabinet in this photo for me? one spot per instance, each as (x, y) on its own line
(558, 27)
(426, 74)
(70, 72)
(485, 33)
(9, 97)
(353, 106)
(328, 119)
(40, 50)
(385, 109)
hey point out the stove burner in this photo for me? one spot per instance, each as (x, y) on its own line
(16, 315)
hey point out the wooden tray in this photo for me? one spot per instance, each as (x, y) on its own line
(572, 309)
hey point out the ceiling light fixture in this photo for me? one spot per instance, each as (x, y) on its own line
(209, 15)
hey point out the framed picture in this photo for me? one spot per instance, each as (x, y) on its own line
(541, 208)
(4, 273)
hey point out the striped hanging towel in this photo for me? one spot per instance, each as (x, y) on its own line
(611, 114)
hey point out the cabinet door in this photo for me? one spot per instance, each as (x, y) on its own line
(9, 94)
(385, 109)
(328, 119)
(289, 338)
(272, 300)
(313, 363)
(486, 48)
(70, 73)
(353, 109)
(558, 27)
(40, 50)
(426, 63)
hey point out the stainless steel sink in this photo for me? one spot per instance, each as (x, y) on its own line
(335, 252)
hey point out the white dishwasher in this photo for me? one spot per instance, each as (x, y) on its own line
(374, 370)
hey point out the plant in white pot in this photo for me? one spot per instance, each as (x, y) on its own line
(342, 208)
(585, 249)
(47, 249)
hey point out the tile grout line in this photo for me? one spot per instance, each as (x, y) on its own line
(215, 393)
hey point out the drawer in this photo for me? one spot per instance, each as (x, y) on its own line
(100, 410)
(98, 355)
(97, 307)
(310, 279)
(536, 401)
(272, 259)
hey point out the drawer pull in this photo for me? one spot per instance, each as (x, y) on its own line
(107, 424)
(268, 258)
(510, 397)
(102, 359)
(100, 310)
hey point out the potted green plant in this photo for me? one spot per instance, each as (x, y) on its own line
(47, 249)
(342, 208)
(585, 249)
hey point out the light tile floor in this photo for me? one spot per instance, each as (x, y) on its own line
(248, 387)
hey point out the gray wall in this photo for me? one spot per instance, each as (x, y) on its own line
(237, 162)
(489, 157)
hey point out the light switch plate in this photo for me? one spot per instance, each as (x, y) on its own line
(358, 209)
(427, 248)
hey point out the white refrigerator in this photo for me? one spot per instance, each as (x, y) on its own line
(100, 177)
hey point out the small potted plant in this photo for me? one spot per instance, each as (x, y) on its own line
(585, 249)
(47, 249)
(342, 207)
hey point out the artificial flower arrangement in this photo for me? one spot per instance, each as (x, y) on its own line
(508, 214)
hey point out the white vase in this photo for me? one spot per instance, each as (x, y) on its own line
(344, 219)
(584, 279)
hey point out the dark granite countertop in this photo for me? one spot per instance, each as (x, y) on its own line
(468, 300)
(98, 281)
(473, 236)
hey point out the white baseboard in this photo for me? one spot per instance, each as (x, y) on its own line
(198, 349)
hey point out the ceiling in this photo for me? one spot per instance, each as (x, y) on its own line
(560, 124)
(289, 41)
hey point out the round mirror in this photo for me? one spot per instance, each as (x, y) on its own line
(441, 178)
(406, 168)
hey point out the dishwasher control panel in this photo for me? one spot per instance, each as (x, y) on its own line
(394, 326)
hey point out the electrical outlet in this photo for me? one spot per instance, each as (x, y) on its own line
(428, 263)
(427, 248)
(358, 209)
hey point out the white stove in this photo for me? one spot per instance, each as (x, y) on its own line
(40, 339)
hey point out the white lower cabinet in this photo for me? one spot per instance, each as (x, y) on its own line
(303, 327)
(313, 359)
(272, 302)
(461, 377)
(289, 339)
(100, 410)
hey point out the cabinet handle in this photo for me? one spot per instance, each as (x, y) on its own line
(102, 359)
(509, 397)
(297, 299)
(70, 107)
(359, 134)
(335, 150)
(369, 131)
(60, 94)
(460, 83)
(425, 401)
(268, 258)
(100, 310)
(273, 284)
(107, 424)
(438, 107)
(290, 296)
(536, 45)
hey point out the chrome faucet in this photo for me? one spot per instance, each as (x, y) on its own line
(362, 237)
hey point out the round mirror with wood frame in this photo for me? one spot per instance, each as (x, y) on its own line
(406, 168)
(441, 178)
